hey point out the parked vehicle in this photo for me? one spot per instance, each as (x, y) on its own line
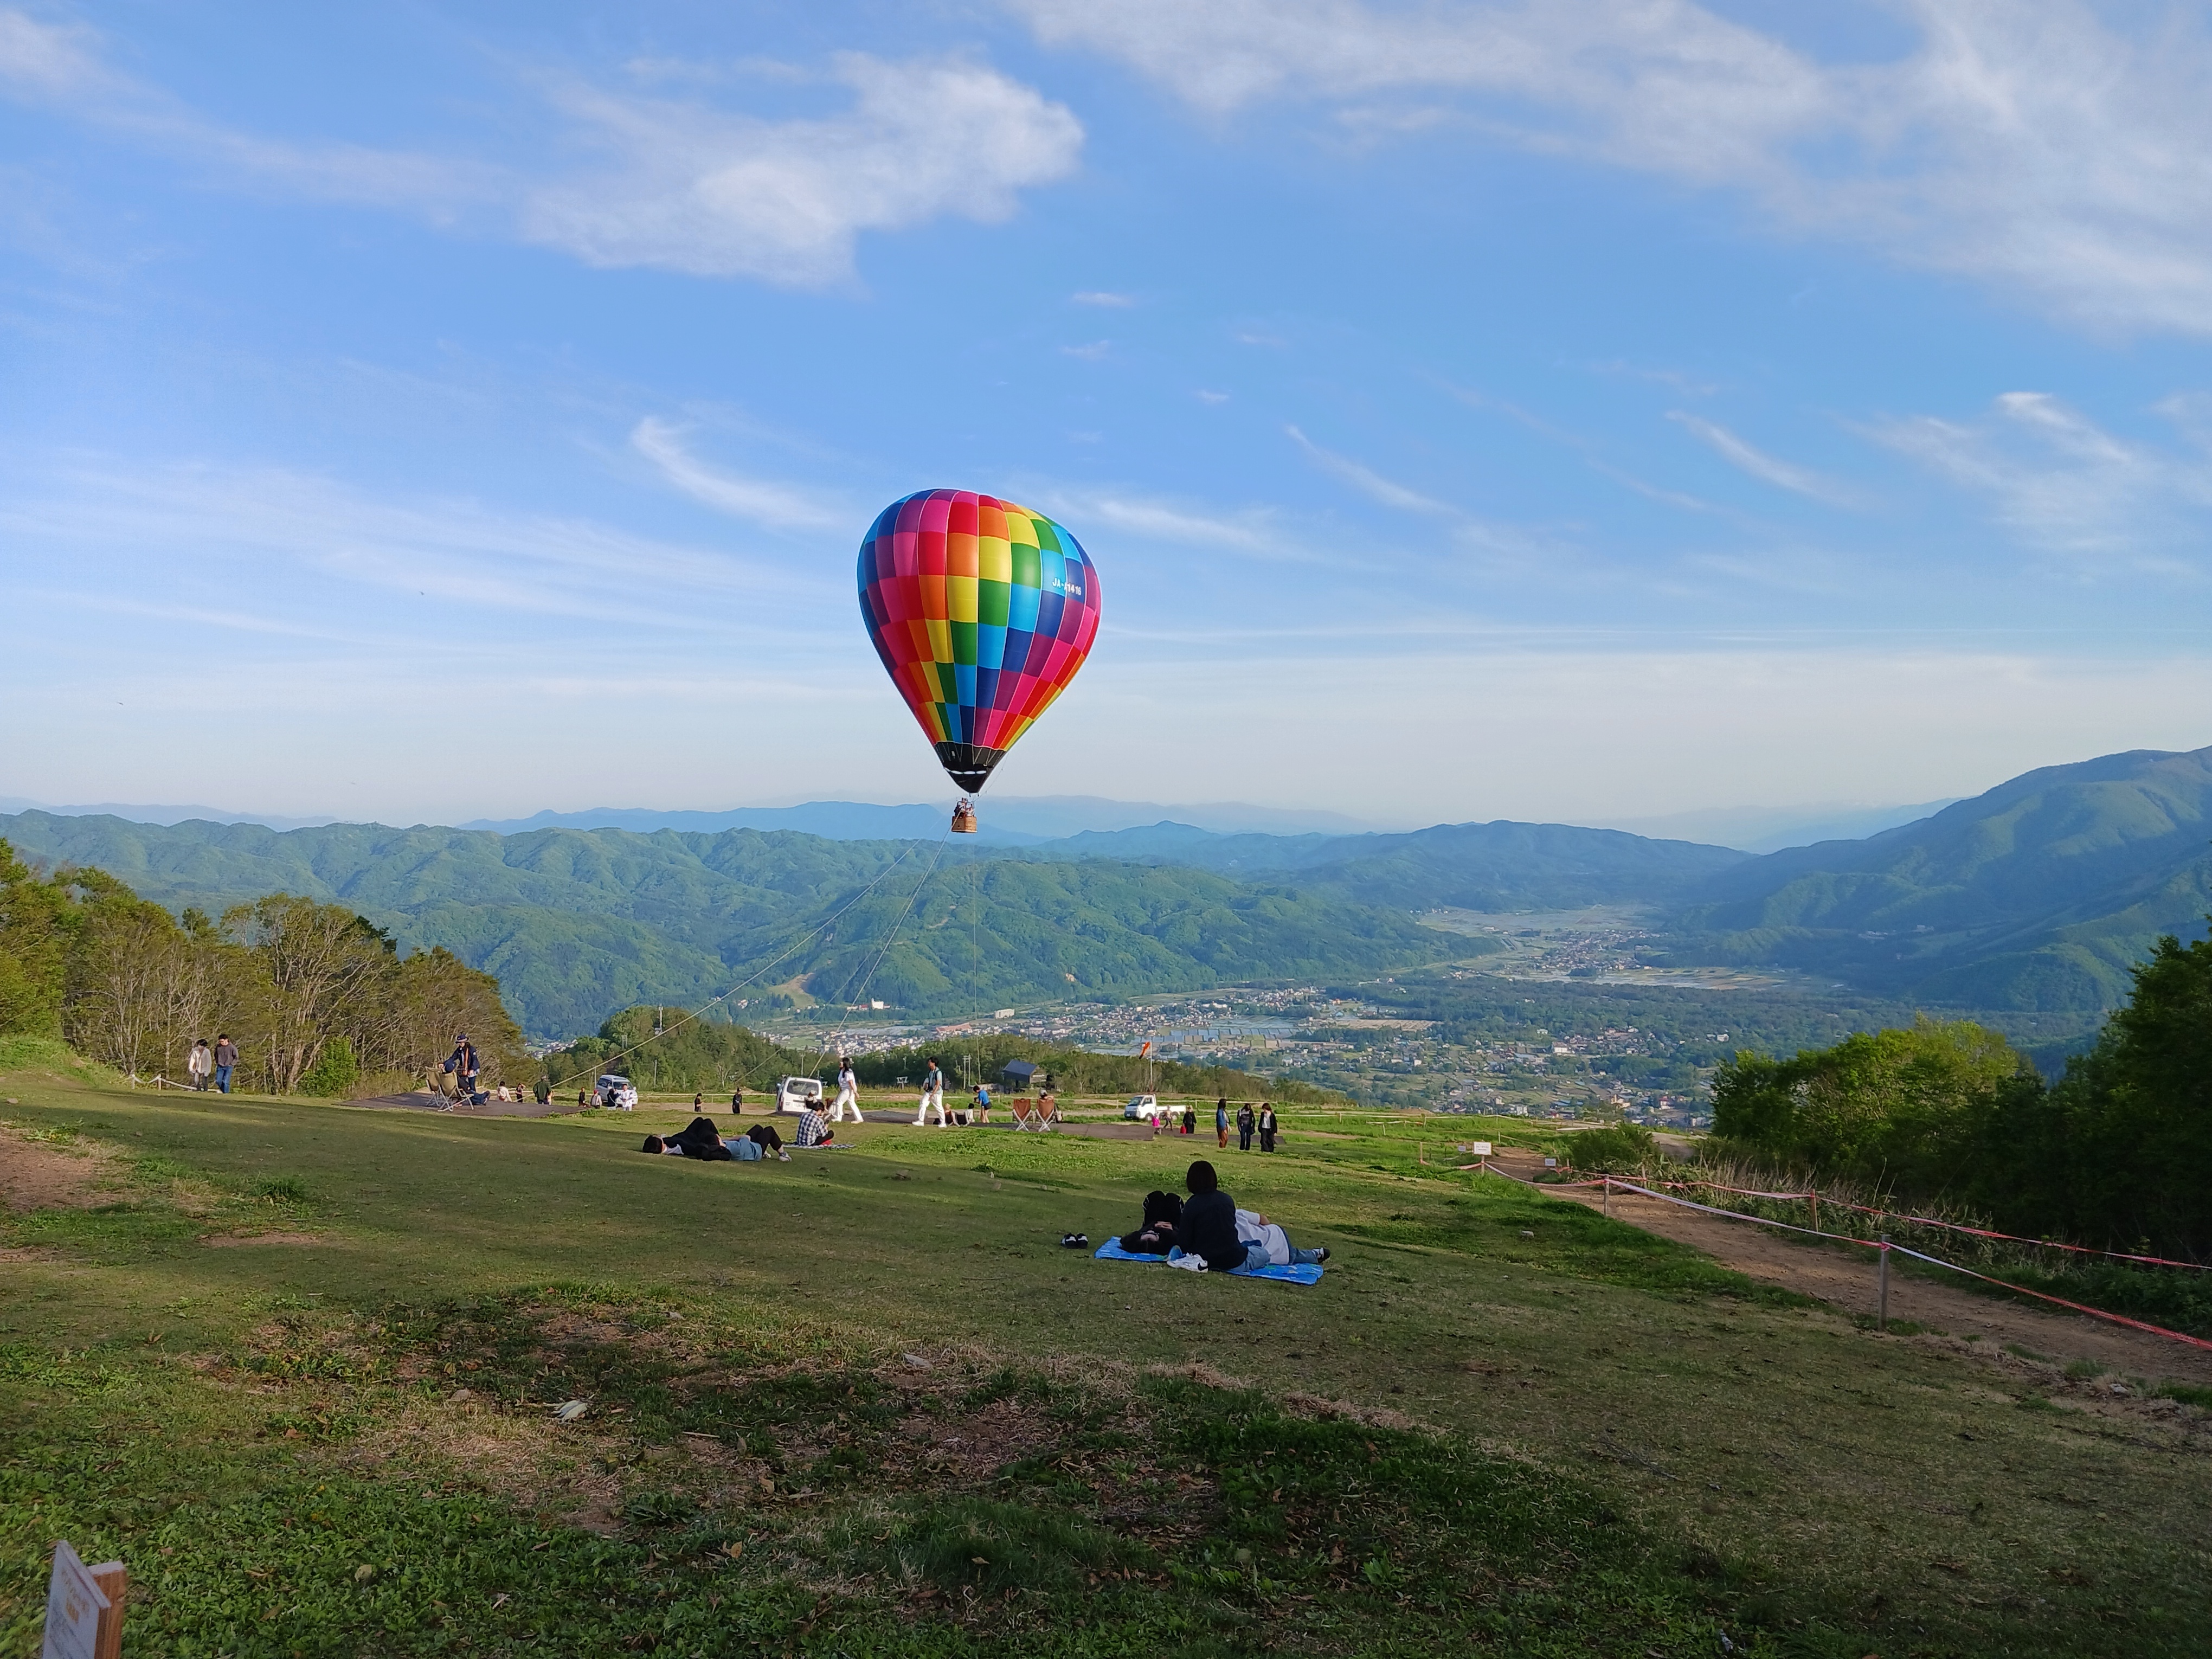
(616, 1092)
(1146, 1108)
(799, 1094)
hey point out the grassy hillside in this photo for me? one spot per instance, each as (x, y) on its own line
(862, 1403)
(2038, 895)
(576, 923)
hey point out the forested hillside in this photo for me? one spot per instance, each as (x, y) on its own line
(2040, 894)
(576, 922)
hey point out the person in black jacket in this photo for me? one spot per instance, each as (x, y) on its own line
(1245, 1123)
(1209, 1228)
(1266, 1128)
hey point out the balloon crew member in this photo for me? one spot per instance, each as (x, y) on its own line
(932, 1094)
(848, 1091)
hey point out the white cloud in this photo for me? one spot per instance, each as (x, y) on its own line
(1249, 532)
(2046, 146)
(1091, 352)
(60, 67)
(1782, 475)
(686, 186)
(2059, 481)
(262, 525)
(779, 507)
(1112, 302)
(1206, 397)
(1368, 481)
(695, 188)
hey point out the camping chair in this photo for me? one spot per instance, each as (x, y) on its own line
(1045, 1114)
(1022, 1110)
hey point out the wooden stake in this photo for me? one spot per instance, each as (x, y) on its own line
(1814, 1197)
(114, 1582)
(1608, 1197)
(1881, 1288)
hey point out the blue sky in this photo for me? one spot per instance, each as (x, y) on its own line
(1586, 411)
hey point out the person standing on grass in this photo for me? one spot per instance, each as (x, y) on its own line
(848, 1091)
(1245, 1120)
(199, 1064)
(226, 1061)
(1221, 1122)
(1267, 1126)
(932, 1094)
(543, 1092)
(737, 1101)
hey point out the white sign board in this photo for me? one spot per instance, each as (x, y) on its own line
(74, 1605)
(1480, 1149)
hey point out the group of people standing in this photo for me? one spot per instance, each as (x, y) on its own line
(1249, 1122)
(212, 1066)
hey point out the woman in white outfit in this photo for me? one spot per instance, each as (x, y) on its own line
(200, 1065)
(848, 1092)
(932, 1094)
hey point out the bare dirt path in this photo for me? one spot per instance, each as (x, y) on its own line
(1845, 1278)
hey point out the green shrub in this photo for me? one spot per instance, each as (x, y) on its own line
(334, 1072)
(1617, 1149)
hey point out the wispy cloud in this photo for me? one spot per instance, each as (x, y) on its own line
(693, 187)
(777, 506)
(2059, 481)
(1091, 352)
(59, 66)
(1782, 475)
(1251, 531)
(1206, 397)
(2061, 150)
(1098, 297)
(680, 184)
(1368, 481)
(217, 520)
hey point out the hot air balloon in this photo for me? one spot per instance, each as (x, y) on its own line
(981, 611)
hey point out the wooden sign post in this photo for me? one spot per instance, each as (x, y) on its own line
(84, 1608)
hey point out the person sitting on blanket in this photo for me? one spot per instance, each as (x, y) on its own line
(1157, 1235)
(1229, 1238)
(813, 1129)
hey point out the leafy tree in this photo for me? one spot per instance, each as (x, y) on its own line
(1905, 1109)
(2122, 1147)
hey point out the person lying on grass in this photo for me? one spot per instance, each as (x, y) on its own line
(1158, 1235)
(700, 1138)
(1212, 1226)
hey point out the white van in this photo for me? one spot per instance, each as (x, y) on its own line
(616, 1092)
(1146, 1108)
(799, 1094)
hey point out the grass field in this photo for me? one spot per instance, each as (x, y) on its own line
(296, 1363)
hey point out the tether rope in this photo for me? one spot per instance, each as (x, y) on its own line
(891, 939)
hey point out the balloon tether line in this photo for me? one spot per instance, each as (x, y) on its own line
(892, 938)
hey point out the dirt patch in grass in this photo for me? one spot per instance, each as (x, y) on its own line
(225, 1241)
(43, 1174)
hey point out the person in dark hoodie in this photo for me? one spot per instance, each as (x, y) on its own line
(1212, 1226)
(1157, 1235)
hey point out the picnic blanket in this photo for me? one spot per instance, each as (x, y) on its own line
(1307, 1274)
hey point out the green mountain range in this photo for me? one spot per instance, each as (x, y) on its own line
(2038, 895)
(578, 923)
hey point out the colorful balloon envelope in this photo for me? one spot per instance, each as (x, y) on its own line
(981, 611)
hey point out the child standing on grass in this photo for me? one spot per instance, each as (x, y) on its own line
(1221, 1122)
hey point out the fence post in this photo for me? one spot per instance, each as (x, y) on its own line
(1814, 1195)
(1881, 1288)
(1608, 1197)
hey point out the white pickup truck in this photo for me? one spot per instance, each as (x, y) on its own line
(799, 1094)
(1147, 1109)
